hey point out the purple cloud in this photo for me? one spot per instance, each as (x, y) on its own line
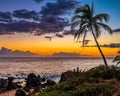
(116, 30)
(50, 19)
(59, 35)
(112, 45)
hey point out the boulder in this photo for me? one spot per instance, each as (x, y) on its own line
(66, 76)
(32, 81)
(20, 92)
(11, 85)
(3, 85)
(50, 82)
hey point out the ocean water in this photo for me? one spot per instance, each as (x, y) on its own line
(13, 66)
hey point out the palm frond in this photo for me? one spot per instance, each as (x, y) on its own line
(80, 32)
(76, 17)
(83, 42)
(118, 62)
(88, 12)
(77, 35)
(75, 24)
(105, 27)
(80, 10)
(87, 7)
(85, 11)
(117, 59)
(101, 17)
(97, 30)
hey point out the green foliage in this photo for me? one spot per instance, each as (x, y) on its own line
(95, 90)
(51, 93)
(87, 83)
(117, 73)
(96, 72)
(84, 90)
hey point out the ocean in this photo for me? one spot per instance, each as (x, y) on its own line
(46, 66)
(50, 67)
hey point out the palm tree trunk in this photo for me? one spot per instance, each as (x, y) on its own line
(104, 59)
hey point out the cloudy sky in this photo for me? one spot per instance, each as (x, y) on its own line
(38, 27)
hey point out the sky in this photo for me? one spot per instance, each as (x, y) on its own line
(23, 32)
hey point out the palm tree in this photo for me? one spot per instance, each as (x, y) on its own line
(86, 21)
(117, 58)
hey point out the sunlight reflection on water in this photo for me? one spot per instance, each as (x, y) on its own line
(46, 66)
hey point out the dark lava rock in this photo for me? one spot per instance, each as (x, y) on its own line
(3, 83)
(65, 76)
(43, 79)
(50, 82)
(26, 89)
(32, 80)
(11, 85)
(20, 92)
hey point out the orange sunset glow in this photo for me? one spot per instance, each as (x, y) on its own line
(42, 46)
(43, 31)
(59, 47)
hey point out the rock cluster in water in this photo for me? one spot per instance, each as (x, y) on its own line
(32, 82)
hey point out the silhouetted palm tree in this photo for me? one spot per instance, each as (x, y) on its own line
(117, 58)
(86, 21)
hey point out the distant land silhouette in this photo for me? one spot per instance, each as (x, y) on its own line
(66, 55)
(5, 52)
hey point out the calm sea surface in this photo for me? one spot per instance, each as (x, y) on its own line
(46, 66)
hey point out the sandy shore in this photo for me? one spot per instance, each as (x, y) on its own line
(9, 93)
(12, 93)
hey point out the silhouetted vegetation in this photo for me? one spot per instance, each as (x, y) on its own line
(97, 81)
(87, 21)
(117, 58)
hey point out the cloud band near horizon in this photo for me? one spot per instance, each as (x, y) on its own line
(112, 45)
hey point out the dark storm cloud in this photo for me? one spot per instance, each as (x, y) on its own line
(5, 16)
(21, 26)
(51, 18)
(61, 7)
(112, 45)
(25, 14)
(22, 23)
(116, 30)
(59, 35)
(69, 32)
(48, 37)
(53, 24)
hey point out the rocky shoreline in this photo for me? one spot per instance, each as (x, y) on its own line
(97, 81)
(25, 85)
